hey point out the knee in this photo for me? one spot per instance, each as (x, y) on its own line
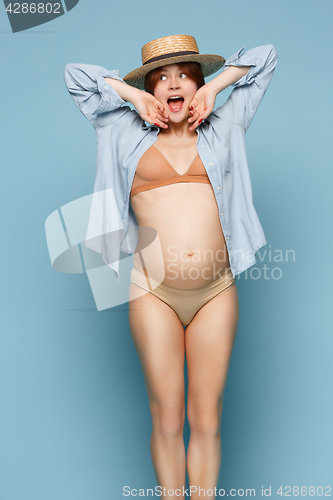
(168, 419)
(205, 420)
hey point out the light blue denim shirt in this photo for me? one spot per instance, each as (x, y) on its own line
(122, 138)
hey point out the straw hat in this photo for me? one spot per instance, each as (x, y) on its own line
(172, 50)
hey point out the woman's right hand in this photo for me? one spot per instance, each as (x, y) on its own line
(150, 109)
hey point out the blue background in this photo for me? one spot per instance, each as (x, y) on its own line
(74, 416)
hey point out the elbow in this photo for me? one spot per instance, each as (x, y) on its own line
(71, 68)
(272, 52)
(68, 74)
(68, 68)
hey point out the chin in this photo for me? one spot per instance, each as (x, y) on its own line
(178, 118)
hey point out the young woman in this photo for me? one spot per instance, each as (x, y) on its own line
(186, 177)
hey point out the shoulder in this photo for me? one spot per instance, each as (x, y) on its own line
(126, 131)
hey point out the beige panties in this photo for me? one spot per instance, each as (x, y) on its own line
(185, 303)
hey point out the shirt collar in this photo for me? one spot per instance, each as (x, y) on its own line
(157, 128)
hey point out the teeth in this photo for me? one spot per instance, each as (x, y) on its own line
(175, 97)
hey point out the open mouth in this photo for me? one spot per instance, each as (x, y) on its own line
(175, 103)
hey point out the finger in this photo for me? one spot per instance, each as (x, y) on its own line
(199, 117)
(206, 113)
(161, 114)
(147, 118)
(150, 120)
(160, 123)
(194, 111)
(195, 124)
(193, 103)
(194, 115)
(197, 109)
(192, 119)
(162, 118)
(161, 110)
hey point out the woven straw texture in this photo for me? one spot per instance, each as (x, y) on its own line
(210, 63)
(167, 44)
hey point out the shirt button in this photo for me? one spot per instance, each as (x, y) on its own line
(227, 237)
(211, 164)
(202, 146)
(218, 187)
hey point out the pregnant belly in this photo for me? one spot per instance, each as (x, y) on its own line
(190, 250)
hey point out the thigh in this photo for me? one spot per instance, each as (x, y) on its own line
(209, 340)
(158, 336)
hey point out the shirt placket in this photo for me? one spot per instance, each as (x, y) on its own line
(208, 159)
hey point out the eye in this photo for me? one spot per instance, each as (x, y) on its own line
(162, 77)
(183, 75)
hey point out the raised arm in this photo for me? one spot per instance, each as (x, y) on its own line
(250, 73)
(249, 90)
(99, 93)
(92, 94)
(148, 107)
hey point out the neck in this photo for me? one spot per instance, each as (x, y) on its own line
(180, 129)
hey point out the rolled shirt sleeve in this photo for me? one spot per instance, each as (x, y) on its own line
(90, 92)
(249, 90)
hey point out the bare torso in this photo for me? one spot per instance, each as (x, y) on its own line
(186, 218)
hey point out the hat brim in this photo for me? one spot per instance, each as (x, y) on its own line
(210, 63)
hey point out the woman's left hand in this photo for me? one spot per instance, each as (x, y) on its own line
(201, 105)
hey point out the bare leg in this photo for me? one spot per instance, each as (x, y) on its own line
(209, 340)
(158, 336)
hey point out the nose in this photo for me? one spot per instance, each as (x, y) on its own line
(174, 84)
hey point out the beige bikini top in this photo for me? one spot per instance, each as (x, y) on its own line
(153, 170)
